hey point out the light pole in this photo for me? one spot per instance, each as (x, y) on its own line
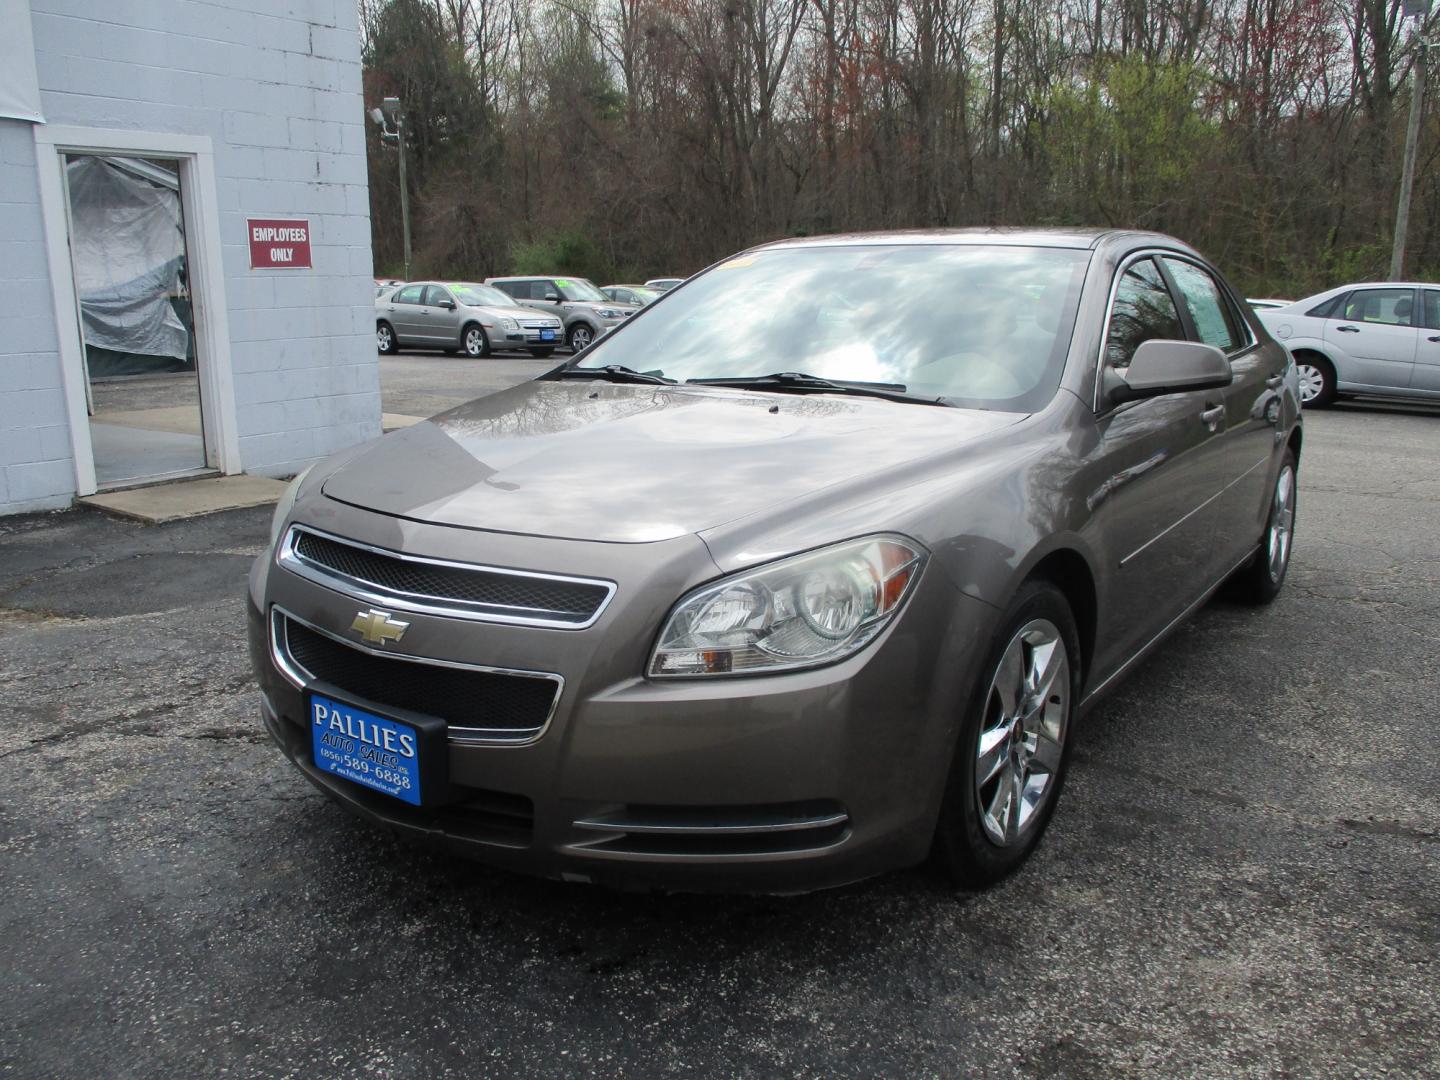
(392, 110)
(1418, 8)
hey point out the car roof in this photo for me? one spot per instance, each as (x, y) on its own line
(1015, 237)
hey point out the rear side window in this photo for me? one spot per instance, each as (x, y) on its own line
(410, 294)
(1330, 308)
(1207, 307)
(1388, 307)
(1432, 309)
(1143, 310)
(517, 289)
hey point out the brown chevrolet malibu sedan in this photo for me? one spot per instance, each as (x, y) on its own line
(808, 571)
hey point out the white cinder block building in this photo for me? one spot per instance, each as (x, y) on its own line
(185, 259)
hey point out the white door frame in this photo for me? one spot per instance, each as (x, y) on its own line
(205, 272)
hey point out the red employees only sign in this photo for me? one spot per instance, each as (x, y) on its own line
(279, 245)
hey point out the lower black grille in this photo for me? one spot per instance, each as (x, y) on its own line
(513, 705)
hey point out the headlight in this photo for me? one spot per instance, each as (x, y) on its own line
(507, 323)
(610, 313)
(286, 504)
(800, 612)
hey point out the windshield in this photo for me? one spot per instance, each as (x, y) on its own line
(482, 296)
(980, 326)
(577, 288)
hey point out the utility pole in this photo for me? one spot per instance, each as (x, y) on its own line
(1412, 139)
(393, 111)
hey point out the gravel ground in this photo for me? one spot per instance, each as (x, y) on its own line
(1241, 880)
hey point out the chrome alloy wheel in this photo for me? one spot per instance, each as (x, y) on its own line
(1022, 735)
(580, 337)
(475, 341)
(383, 338)
(1282, 523)
(1312, 382)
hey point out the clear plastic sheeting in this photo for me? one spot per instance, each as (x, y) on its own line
(128, 249)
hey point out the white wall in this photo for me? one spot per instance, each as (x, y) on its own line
(275, 84)
(36, 468)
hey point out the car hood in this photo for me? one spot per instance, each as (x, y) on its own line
(633, 464)
(516, 313)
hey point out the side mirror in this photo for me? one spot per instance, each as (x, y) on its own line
(552, 297)
(448, 304)
(1168, 367)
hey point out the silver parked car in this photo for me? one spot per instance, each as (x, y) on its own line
(1378, 338)
(759, 596)
(588, 313)
(461, 315)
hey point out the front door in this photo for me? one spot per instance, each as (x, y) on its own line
(1153, 476)
(128, 255)
(1253, 407)
(1427, 351)
(441, 316)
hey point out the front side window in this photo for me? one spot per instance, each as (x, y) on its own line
(410, 294)
(435, 296)
(1388, 307)
(1432, 309)
(1143, 311)
(1203, 299)
(979, 325)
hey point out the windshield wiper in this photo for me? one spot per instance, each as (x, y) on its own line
(610, 373)
(800, 382)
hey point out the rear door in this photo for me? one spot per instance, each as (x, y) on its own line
(1253, 406)
(1426, 375)
(1153, 476)
(1375, 330)
(403, 312)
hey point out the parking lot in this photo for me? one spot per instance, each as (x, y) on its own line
(1241, 879)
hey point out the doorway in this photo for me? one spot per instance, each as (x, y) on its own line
(130, 264)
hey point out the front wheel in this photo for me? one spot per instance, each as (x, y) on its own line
(1010, 760)
(385, 339)
(580, 336)
(476, 344)
(1259, 581)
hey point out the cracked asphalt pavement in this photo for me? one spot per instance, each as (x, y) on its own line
(1241, 879)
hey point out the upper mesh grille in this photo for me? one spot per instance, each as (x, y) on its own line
(506, 594)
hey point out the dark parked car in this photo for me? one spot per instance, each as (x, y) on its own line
(759, 596)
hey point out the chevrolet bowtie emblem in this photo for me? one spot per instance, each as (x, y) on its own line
(377, 627)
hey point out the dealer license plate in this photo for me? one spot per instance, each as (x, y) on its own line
(367, 749)
(547, 335)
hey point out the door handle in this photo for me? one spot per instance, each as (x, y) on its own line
(1274, 382)
(1434, 338)
(1348, 329)
(1212, 416)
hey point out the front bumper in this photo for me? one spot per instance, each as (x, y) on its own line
(781, 783)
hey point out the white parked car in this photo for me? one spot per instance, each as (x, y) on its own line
(1374, 338)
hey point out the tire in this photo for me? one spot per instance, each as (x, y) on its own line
(385, 339)
(474, 341)
(1317, 380)
(1259, 581)
(541, 354)
(580, 335)
(979, 838)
